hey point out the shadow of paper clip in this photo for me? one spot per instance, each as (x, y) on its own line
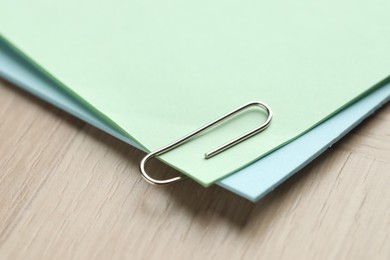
(213, 152)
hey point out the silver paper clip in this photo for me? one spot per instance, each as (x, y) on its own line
(213, 152)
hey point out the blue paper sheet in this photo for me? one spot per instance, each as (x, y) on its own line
(252, 182)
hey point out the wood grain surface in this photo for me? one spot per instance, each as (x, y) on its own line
(69, 191)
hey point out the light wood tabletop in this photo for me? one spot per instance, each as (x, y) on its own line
(69, 191)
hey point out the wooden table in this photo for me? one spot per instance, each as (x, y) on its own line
(69, 191)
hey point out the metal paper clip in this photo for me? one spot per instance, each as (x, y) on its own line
(213, 152)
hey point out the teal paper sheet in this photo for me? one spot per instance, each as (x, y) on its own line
(252, 182)
(157, 70)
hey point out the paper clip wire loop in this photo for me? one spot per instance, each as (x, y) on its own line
(213, 152)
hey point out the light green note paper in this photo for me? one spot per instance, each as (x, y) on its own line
(160, 69)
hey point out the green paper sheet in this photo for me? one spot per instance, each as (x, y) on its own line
(157, 70)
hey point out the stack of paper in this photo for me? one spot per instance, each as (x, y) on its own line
(151, 72)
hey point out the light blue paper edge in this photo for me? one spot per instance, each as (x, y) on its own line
(15, 69)
(256, 180)
(252, 182)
